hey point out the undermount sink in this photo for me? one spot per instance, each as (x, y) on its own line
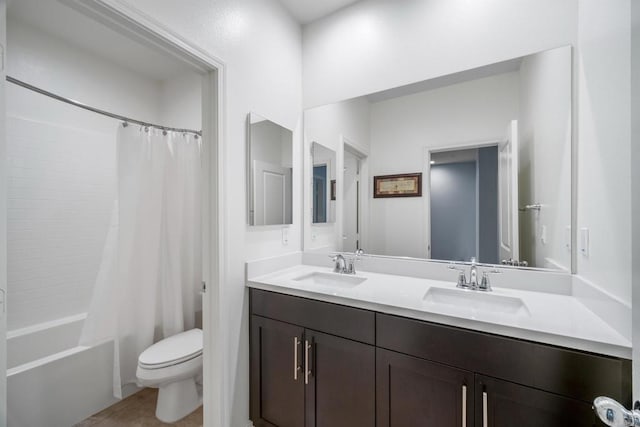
(476, 300)
(330, 279)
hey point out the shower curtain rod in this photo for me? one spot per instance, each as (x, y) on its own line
(96, 110)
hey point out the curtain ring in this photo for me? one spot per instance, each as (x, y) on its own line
(196, 136)
(164, 132)
(146, 128)
(125, 124)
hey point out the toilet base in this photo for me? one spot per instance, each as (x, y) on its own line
(177, 399)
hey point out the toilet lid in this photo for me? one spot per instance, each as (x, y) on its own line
(173, 350)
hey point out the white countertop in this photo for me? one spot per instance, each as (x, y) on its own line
(555, 319)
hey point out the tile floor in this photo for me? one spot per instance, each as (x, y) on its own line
(137, 410)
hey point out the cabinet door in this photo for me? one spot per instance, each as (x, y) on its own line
(416, 392)
(341, 382)
(505, 404)
(277, 383)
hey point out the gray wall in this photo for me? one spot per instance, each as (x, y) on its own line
(488, 205)
(453, 211)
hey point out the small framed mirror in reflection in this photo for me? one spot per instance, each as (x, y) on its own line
(323, 184)
(269, 172)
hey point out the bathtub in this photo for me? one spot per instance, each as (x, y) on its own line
(53, 382)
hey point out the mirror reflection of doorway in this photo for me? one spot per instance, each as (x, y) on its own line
(320, 193)
(464, 204)
(351, 221)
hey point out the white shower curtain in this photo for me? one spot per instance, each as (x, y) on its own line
(148, 283)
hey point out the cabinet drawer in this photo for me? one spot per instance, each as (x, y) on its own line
(566, 372)
(334, 319)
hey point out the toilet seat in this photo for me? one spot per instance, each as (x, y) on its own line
(174, 350)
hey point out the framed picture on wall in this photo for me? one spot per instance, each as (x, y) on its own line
(333, 189)
(402, 185)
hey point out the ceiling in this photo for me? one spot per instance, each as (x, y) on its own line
(306, 11)
(75, 29)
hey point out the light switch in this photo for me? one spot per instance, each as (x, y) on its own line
(567, 238)
(285, 236)
(543, 234)
(584, 241)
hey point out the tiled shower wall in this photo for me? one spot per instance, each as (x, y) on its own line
(61, 188)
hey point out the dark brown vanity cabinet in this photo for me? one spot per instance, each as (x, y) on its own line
(505, 404)
(277, 391)
(514, 382)
(301, 377)
(417, 392)
(371, 369)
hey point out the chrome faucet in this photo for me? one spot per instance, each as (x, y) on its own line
(341, 264)
(344, 267)
(472, 283)
(473, 275)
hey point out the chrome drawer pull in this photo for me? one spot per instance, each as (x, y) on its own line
(485, 415)
(464, 406)
(307, 370)
(296, 366)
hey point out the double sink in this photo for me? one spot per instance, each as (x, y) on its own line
(434, 296)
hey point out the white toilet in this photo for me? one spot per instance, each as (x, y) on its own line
(174, 365)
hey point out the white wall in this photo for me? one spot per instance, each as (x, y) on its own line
(378, 44)
(545, 157)
(604, 144)
(181, 101)
(61, 168)
(260, 45)
(401, 128)
(328, 125)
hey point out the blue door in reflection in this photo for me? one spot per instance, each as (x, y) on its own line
(320, 193)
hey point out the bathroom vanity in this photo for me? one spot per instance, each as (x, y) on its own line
(379, 350)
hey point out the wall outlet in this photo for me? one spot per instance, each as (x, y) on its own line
(543, 234)
(584, 241)
(567, 238)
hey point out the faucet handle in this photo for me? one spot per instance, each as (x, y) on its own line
(462, 280)
(462, 277)
(485, 284)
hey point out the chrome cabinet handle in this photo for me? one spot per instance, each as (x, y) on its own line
(464, 406)
(485, 415)
(296, 365)
(307, 370)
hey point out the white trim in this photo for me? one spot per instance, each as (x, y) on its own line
(362, 152)
(3, 216)
(142, 27)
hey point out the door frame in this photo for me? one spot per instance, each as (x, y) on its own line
(426, 183)
(362, 153)
(3, 216)
(139, 26)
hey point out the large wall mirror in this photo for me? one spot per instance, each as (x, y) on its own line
(474, 165)
(323, 185)
(270, 170)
